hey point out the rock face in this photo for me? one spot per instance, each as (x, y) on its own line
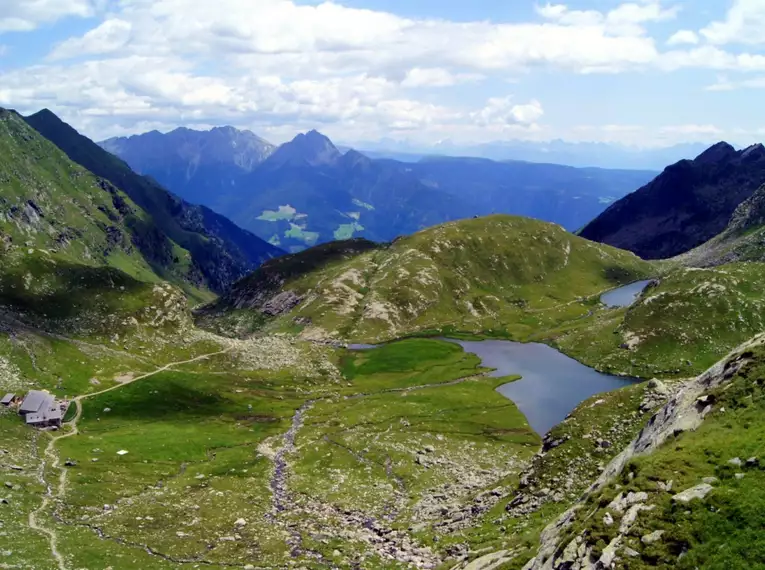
(682, 413)
(688, 204)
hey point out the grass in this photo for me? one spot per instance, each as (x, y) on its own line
(678, 328)
(192, 453)
(346, 231)
(411, 362)
(513, 276)
(721, 531)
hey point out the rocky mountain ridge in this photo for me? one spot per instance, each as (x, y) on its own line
(685, 206)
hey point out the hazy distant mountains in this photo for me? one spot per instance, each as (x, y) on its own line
(307, 191)
(585, 154)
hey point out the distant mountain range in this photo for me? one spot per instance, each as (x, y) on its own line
(688, 204)
(219, 251)
(583, 154)
(307, 191)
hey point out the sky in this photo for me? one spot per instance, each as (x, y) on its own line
(648, 73)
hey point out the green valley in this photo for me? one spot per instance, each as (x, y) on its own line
(316, 415)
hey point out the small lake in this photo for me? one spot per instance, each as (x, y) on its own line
(552, 384)
(624, 296)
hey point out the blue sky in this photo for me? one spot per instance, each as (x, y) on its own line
(644, 72)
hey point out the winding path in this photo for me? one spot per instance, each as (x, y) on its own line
(51, 456)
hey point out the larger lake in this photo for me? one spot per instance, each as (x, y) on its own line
(552, 384)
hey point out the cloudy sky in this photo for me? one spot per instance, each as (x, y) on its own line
(645, 72)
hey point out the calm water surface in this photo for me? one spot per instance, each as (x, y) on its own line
(624, 296)
(552, 384)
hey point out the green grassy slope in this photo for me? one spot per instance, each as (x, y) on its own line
(77, 254)
(679, 327)
(502, 274)
(721, 528)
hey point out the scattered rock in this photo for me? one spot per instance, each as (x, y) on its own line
(608, 520)
(697, 492)
(739, 476)
(736, 461)
(122, 452)
(240, 523)
(631, 553)
(752, 462)
(653, 537)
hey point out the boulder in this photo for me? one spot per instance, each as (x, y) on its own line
(697, 492)
(653, 537)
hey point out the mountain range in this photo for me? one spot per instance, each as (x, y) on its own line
(578, 154)
(248, 432)
(307, 191)
(686, 205)
(220, 252)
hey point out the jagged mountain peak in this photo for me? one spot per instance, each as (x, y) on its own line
(311, 148)
(716, 153)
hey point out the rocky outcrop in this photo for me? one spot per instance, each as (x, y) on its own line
(684, 412)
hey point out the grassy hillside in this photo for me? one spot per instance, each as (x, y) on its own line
(77, 254)
(500, 275)
(681, 325)
(688, 492)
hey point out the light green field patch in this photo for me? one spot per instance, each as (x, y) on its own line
(275, 240)
(285, 212)
(354, 215)
(361, 204)
(299, 233)
(346, 231)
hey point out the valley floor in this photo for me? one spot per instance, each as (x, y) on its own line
(272, 453)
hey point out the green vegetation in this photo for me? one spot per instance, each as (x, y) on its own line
(286, 212)
(346, 231)
(678, 328)
(720, 530)
(299, 232)
(513, 276)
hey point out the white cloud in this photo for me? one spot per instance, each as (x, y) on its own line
(112, 35)
(277, 66)
(501, 111)
(626, 19)
(329, 36)
(436, 77)
(683, 37)
(26, 15)
(743, 23)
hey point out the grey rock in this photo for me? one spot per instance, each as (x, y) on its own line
(710, 480)
(739, 476)
(736, 461)
(753, 462)
(653, 537)
(282, 303)
(608, 520)
(631, 553)
(697, 492)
